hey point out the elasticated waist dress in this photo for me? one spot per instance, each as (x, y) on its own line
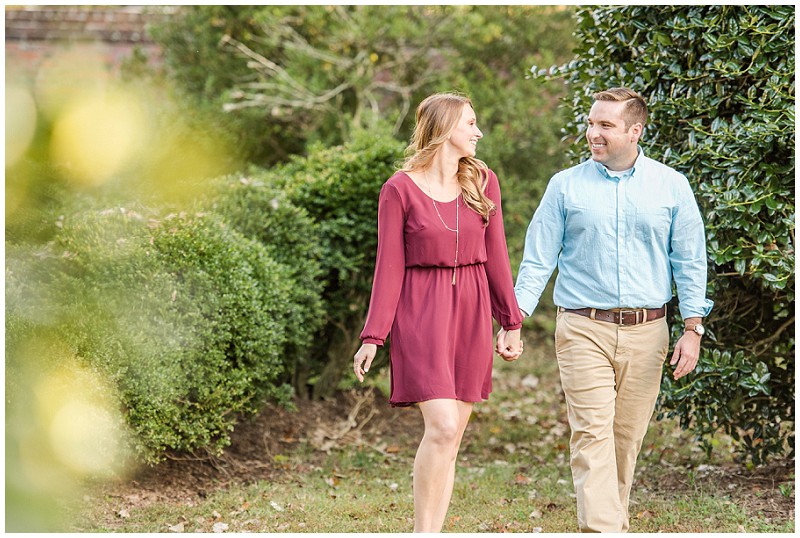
(440, 334)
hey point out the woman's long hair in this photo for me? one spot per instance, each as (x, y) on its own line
(437, 116)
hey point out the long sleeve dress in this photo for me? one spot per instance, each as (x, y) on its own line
(441, 334)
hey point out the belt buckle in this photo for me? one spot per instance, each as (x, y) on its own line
(634, 312)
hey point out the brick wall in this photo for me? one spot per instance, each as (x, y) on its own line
(34, 34)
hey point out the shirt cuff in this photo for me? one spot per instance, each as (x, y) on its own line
(378, 342)
(513, 327)
(700, 310)
(527, 301)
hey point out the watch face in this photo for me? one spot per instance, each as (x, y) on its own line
(699, 329)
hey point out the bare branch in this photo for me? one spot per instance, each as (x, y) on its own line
(763, 345)
(300, 43)
(266, 64)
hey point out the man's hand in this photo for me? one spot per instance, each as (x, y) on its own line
(687, 351)
(508, 345)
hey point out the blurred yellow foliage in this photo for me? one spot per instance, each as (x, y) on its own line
(63, 426)
(20, 122)
(74, 128)
(98, 131)
(96, 136)
(76, 407)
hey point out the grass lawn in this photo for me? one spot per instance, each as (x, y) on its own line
(345, 466)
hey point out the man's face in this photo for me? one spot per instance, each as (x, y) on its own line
(611, 144)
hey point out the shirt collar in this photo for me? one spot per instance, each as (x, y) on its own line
(604, 171)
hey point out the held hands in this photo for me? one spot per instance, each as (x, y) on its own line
(362, 360)
(687, 351)
(509, 346)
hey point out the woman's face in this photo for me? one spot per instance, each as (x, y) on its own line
(464, 137)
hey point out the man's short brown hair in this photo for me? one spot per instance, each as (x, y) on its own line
(635, 105)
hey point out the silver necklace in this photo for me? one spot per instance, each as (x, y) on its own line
(455, 261)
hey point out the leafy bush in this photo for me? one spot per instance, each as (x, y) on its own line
(293, 75)
(720, 83)
(361, 64)
(184, 314)
(261, 212)
(338, 189)
(33, 216)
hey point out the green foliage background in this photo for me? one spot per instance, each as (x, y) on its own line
(720, 82)
(184, 315)
(215, 295)
(379, 61)
(331, 247)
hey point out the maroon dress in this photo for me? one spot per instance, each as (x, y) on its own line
(442, 341)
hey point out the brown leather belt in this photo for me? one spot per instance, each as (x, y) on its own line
(623, 316)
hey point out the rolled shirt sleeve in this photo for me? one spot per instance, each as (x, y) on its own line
(688, 257)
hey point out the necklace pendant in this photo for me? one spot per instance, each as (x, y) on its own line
(454, 276)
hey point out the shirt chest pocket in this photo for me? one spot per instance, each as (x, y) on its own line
(590, 221)
(653, 223)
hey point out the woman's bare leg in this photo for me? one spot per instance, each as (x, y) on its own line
(434, 465)
(465, 411)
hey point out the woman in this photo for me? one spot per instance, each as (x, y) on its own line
(442, 272)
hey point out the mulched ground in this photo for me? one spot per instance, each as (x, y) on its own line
(353, 418)
(364, 417)
(757, 489)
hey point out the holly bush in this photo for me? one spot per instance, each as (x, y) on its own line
(720, 83)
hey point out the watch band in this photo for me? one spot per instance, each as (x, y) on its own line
(697, 328)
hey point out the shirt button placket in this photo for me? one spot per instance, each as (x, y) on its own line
(622, 252)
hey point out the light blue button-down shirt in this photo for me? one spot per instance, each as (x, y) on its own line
(618, 241)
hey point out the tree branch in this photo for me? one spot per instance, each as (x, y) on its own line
(265, 63)
(762, 345)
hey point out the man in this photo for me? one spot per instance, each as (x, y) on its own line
(620, 227)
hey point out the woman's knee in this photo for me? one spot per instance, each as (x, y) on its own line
(444, 431)
(443, 422)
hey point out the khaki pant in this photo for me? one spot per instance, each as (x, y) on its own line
(611, 376)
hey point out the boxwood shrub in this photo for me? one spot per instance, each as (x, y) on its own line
(251, 204)
(338, 187)
(186, 315)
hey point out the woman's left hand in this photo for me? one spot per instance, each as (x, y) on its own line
(509, 344)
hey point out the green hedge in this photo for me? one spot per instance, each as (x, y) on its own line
(252, 205)
(337, 189)
(199, 318)
(183, 313)
(720, 81)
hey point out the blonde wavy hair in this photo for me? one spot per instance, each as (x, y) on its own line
(437, 116)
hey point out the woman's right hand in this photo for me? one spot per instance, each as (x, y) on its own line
(363, 360)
